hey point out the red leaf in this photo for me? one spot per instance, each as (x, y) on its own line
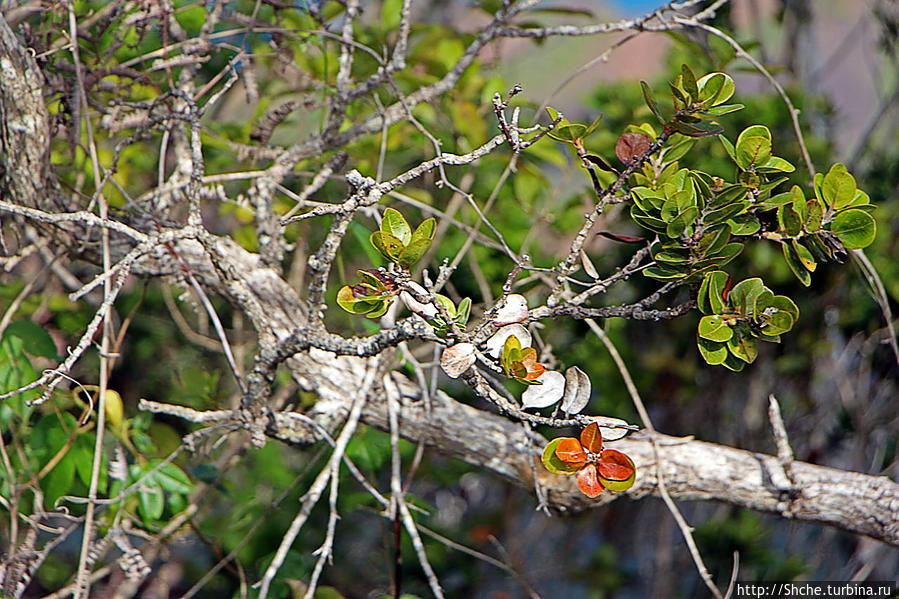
(535, 372)
(570, 451)
(601, 163)
(622, 238)
(615, 465)
(631, 146)
(614, 471)
(591, 438)
(727, 286)
(588, 481)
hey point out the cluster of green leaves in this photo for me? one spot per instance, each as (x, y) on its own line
(372, 296)
(458, 314)
(735, 317)
(703, 221)
(696, 103)
(398, 243)
(57, 451)
(822, 228)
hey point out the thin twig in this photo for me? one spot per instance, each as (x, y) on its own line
(315, 491)
(685, 528)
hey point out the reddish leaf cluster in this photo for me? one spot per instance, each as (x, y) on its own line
(597, 469)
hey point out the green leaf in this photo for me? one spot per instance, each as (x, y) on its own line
(647, 199)
(709, 86)
(728, 147)
(447, 304)
(838, 187)
(592, 126)
(391, 11)
(727, 253)
(725, 213)
(744, 224)
(644, 220)
(150, 501)
(35, 338)
(712, 352)
(723, 94)
(855, 228)
(753, 146)
(733, 363)
(662, 274)
(677, 92)
(83, 456)
(171, 478)
(347, 300)
(698, 129)
(805, 256)
(15, 371)
(688, 79)
(680, 223)
(379, 309)
(709, 297)
(814, 215)
(818, 182)
(795, 264)
(743, 347)
(650, 101)
(413, 252)
(58, 481)
(730, 194)
(677, 150)
(775, 165)
(723, 109)
(463, 311)
(389, 245)
(395, 224)
(789, 220)
(714, 238)
(714, 327)
(425, 230)
(861, 199)
(776, 322)
(552, 461)
(744, 294)
(568, 133)
(784, 304)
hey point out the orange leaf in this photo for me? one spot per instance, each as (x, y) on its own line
(588, 481)
(615, 465)
(570, 451)
(535, 372)
(591, 438)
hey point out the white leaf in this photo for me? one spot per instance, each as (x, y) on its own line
(457, 359)
(427, 311)
(577, 391)
(515, 309)
(611, 434)
(541, 396)
(495, 344)
(588, 266)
